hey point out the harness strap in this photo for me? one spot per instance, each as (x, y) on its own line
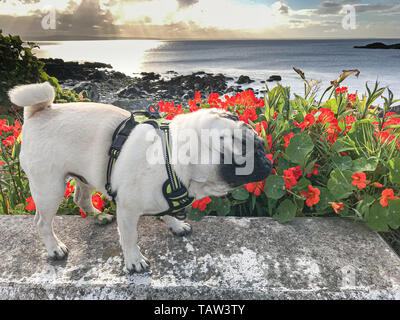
(175, 193)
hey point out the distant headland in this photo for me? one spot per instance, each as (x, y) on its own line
(379, 45)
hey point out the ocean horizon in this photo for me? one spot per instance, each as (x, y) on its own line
(321, 60)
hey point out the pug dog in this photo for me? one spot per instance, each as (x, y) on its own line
(72, 140)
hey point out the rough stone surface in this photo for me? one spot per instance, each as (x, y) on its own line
(224, 258)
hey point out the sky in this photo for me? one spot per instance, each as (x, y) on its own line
(200, 19)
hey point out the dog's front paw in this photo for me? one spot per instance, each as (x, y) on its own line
(182, 229)
(138, 263)
(58, 252)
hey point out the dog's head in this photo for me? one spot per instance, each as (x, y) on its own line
(217, 153)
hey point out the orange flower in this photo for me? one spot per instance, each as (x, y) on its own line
(69, 189)
(312, 196)
(359, 180)
(290, 179)
(31, 204)
(201, 204)
(255, 187)
(387, 195)
(377, 185)
(97, 202)
(336, 206)
(287, 138)
(313, 171)
(309, 120)
(258, 127)
(9, 141)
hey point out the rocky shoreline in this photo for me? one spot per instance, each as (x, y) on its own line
(103, 84)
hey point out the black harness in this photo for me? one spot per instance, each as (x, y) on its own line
(175, 193)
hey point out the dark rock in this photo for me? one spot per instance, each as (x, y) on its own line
(131, 91)
(274, 78)
(73, 70)
(244, 79)
(91, 89)
(379, 45)
(98, 75)
(149, 76)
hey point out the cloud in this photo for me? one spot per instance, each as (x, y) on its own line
(186, 3)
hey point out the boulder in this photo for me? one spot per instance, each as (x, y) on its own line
(244, 80)
(274, 78)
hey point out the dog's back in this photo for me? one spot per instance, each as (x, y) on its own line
(66, 137)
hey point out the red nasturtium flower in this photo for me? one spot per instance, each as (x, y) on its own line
(31, 204)
(69, 189)
(352, 97)
(9, 141)
(341, 90)
(337, 206)
(313, 171)
(377, 185)
(312, 195)
(326, 116)
(387, 195)
(248, 114)
(287, 138)
(290, 178)
(201, 204)
(359, 180)
(258, 127)
(83, 214)
(309, 120)
(255, 187)
(97, 201)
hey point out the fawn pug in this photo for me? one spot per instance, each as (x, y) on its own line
(60, 141)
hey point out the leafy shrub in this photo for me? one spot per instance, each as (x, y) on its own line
(18, 65)
(336, 157)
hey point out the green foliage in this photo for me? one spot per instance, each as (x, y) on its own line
(18, 65)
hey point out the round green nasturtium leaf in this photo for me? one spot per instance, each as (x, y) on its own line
(339, 184)
(285, 212)
(283, 164)
(196, 214)
(364, 205)
(324, 198)
(342, 163)
(221, 206)
(394, 214)
(394, 170)
(362, 164)
(240, 194)
(302, 184)
(275, 187)
(300, 146)
(377, 217)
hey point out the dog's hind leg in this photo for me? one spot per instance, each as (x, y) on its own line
(127, 225)
(177, 227)
(83, 199)
(47, 196)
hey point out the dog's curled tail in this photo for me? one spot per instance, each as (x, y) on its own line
(34, 97)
